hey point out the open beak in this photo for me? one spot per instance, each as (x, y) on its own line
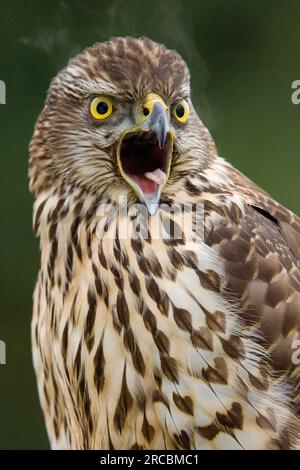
(144, 153)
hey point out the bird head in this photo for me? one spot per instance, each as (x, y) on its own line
(119, 120)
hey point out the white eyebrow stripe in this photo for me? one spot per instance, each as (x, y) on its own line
(98, 86)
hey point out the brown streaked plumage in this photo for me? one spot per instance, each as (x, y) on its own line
(149, 342)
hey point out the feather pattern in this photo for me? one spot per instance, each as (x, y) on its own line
(157, 342)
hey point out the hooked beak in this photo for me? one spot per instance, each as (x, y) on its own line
(157, 122)
(144, 153)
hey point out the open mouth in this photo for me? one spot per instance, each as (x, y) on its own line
(143, 163)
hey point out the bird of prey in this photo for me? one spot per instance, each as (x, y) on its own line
(167, 305)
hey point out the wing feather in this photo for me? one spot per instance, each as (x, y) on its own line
(261, 255)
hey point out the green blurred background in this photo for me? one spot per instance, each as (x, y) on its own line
(243, 56)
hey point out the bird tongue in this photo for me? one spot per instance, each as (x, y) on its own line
(158, 176)
(149, 181)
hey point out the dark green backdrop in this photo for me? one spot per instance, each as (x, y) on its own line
(243, 56)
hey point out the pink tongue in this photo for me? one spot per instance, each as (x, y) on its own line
(150, 180)
(158, 176)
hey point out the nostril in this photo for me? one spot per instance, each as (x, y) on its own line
(146, 111)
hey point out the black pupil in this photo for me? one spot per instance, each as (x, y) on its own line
(102, 107)
(179, 110)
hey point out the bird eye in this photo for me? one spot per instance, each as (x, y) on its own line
(181, 111)
(101, 108)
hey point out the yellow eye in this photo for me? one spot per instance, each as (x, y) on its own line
(181, 111)
(101, 108)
